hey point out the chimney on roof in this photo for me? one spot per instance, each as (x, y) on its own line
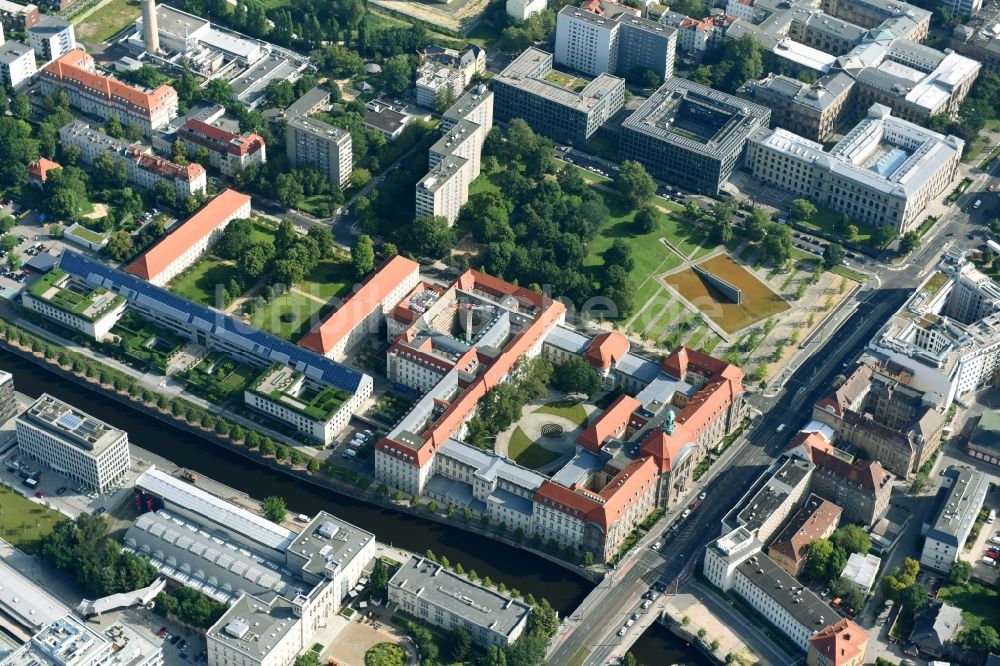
(150, 29)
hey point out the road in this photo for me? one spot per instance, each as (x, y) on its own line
(594, 625)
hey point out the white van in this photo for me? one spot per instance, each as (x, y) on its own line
(979, 202)
(989, 561)
(992, 516)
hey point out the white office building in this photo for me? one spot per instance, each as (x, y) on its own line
(73, 443)
(74, 304)
(884, 171)
(17, 64)
(68, 641)
(952, 522)
(947, 335)
(289, 396)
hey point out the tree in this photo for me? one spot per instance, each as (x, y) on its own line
(310, 658)
(980, 640)
(397, 72)
(921, 482)
(363, 256)
(629, 660)
(461, 644)
(119, 245)
(543, 619)
(274, 508)
(279, 93)
(619, 254)
(818, 559)
(914, 597)
(444, 98)
(389, 250)
(911, 240)
(164, 193)
(218, 90)
(777, 245)
(900, 578)
(432, 237)
(803, 209)
(646, 219)
(634, 184)
(577, 376)
(379, 577)
(851, 539)
(961, 572)
(757, 224)
(14, 261)
(114, 128)
(833, 255)
(883, 235)
(20, 107)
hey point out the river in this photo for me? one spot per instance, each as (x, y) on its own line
(515, 567)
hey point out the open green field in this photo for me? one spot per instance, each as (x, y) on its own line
(977, 601)
(331, 278)
(198, 283)
(23, 522)
(826, 220)
(527, 453)
(568, 410)
(288, 316)
(104, 22)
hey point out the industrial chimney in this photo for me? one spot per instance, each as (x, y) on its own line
(150, 31)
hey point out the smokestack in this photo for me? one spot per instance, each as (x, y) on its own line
(150, 31)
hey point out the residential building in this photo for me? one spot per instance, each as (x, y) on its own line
(935, 628)
(984, 444)
(185, 244)
(604, 37)
(287, 395)
(861, 571)
(964, 7)
(726, 553)
(454, 159)
(690, 134)
(879, 13)
(740, 9)
(792, 608)
(698, 35)
(386, 121)
(436, 81)
(229, 152)
(817, 519)
(772, 500)
(840, 644)
(313, 101)
(528, 89)
(444, 599)
(808, 110)
(947, 335)
(143, 168)
(522, 10)
(78, 446)
(38, 171)
(8, 399)
(106, 96)
(469, 61)
(69, 641)
(17, 64)
(51, 38)
(861, 488)
(15, 17)
(979, 38)
(962, 493)
(71, 302)
(321, 145)
(362, 312)
(885, 171)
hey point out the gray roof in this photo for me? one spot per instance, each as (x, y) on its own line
(986, 436)
(328, 543)
(490, 466)
(642, 369)
(318, 128)
(11, 51)
(43, 261)
(582, 465)
(214, 509)
(568, 340)
(819, 96)
(469, 100)
(654, 117)
(48, 25)
(800, 602)
(959, 506)
(386, 120)
(443, 589)
(774, 493)
(525, 72)
(936, 625)
(304, 105)
(253, 626)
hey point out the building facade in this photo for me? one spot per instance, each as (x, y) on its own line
(885, 171)
(65, 299)
(17, 64)
(105, 96)
(808, 110)
(569, 116)
(228, 151)
(75, 444)
(15, 17)
(963, 493)
(51, 38)
(8, 397)
(690, 134)
(287, 395)
(321, 145)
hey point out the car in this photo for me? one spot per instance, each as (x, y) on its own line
(98, 512)
(635, 616)
(989, 189)
(646, 604)
(174, 640)
(61, 490)
(825, 593)
(702, 495)
(685, 513)
(995, 539)
(183, 655)
(989, 561)
(629, 622)
(161, 632)
(183, 646)
(658, 545)
(621, 632)
(993, 556)
(39, 494)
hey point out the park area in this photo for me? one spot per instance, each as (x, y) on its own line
(758, 301)
(23, 522)
(544, 434)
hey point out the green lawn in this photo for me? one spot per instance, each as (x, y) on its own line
(261, 232)
(23, 522)
(288, 316)
(485, 183)
(483, 35)
(686, 237)
(826, 220)
(198, 283)
(977, 601)
(848, 273)
(331, 277)
(568, 410)
(527, 453)
(103, 23)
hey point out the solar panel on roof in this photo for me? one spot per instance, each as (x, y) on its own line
(69, 420)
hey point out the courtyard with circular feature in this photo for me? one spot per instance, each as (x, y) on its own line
(545, 437)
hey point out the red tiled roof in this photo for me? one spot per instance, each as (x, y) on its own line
(77, 66)
(868, 474)
(611, 423)
(606, 348)
(219, 140)
(358, 305)
(39, 169)
(805, 527)
(840, 643)
(199, 225)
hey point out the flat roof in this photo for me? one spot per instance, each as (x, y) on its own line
(80, 299)
(329, 543)
(960, 505)
(318, 128)
(774, 493)
(441, 588)
(215, 509)
(279, 383)
(25, 602)
(796, 599)
(254, 627)
(66, 422)
(525, 73)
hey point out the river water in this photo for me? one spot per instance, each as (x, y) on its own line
(515, 567)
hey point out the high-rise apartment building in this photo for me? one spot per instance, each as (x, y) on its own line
(321, 145)
(51, 38)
